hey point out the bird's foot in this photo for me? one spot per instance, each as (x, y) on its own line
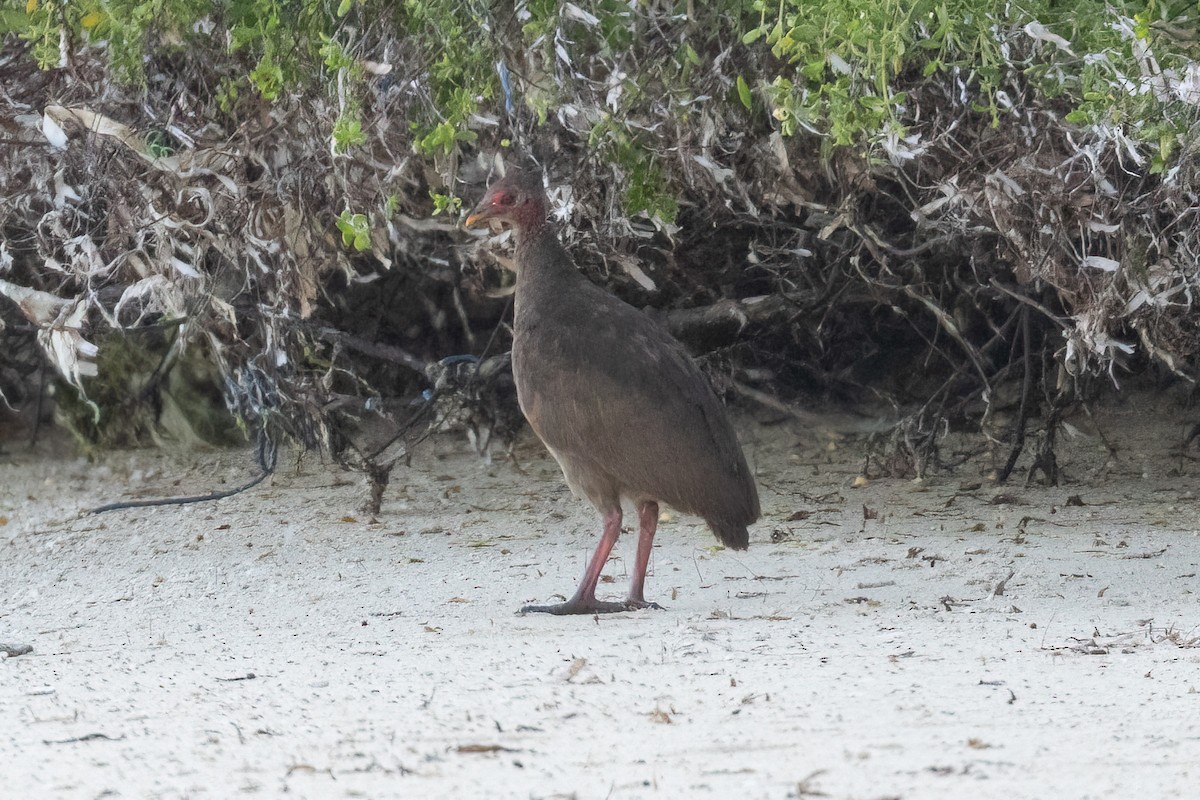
(579, 606)
(576, 606)
(634, 604)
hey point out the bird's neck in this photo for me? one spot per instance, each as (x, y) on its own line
(531, 228)
(546, 275)
(540, 257)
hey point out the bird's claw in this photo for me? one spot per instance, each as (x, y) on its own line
(577, 606)
(635, 605)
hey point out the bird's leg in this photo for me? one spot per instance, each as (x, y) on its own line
(584, 600)
(647, 525)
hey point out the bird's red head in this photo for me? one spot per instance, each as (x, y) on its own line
(517, 199)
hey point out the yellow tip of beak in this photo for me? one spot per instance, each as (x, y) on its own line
(473, 220)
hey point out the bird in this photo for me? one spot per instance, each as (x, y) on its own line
(617, 401)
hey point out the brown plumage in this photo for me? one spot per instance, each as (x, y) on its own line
(616, 400)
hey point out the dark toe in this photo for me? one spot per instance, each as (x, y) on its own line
(574, 606)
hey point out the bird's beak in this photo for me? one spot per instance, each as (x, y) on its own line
(478, 215)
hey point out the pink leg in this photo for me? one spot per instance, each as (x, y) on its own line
(584, 601)
(647, 525)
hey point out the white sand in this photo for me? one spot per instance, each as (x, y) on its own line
(855, 659)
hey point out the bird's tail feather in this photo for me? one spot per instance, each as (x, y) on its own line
(733, 535)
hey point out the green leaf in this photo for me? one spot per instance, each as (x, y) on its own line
(158, 145)
(444, 203)
(267, 77)
(334, 56)
(814, 70)
(356, 230)
(753, 36)
(344, 7)
(347, 133)
(743, 90)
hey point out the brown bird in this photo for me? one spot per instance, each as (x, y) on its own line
(616, 400)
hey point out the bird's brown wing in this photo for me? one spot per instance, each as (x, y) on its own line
(607, 388)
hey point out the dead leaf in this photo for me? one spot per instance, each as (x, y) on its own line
(660, 716)
(575, 668)
(483, 748)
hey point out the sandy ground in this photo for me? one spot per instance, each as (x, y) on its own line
(944, 639)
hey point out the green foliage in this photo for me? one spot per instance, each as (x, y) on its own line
(743, 90)
(672, 98)
(347, 133)
(285, 37)
(836, 68)
(543, 17)
(227, 95)
(356, 230)
(840, 60)
(336, 57)
(40, 28)
(845, 56)
(158, 144)
(1114, 86)
(646, 189)
(463, 74)
(391, 205)
(267, 77)
(444, 203)
(281, 36)
(443, 138)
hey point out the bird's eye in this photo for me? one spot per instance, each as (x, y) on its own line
(503, 199)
